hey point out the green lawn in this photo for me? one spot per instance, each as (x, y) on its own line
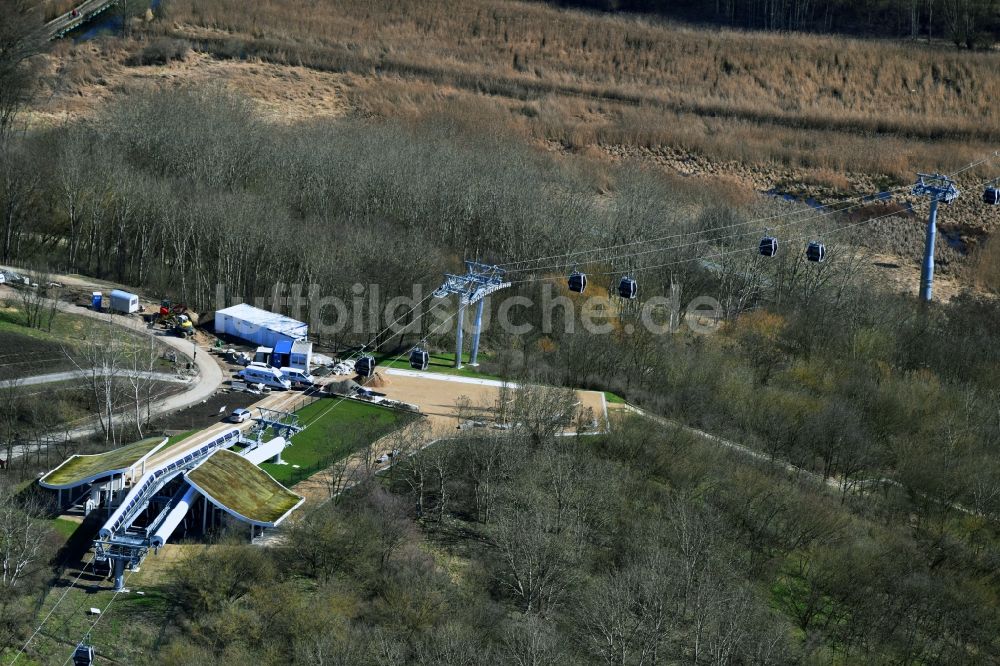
(64, 527)
(614, 398)
(331, 433)
(443, 362)
(66, 327)
(180, 437)
(129, 633)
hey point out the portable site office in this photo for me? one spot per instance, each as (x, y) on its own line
(258, 326)
(123, 301)
(292, 354)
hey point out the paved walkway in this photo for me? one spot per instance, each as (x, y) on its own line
(210, 373)
(70, 375)
(442, 377)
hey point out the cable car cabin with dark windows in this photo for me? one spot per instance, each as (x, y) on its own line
(816, 251)
(628, 288)
(578, 282)
(769, 246)
(419, 359)
(365, 366)
(991, 195)
(83, 655)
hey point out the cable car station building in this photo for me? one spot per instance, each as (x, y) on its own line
(150, 488)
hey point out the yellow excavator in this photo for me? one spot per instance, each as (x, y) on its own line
(183, 326)
(176, 318)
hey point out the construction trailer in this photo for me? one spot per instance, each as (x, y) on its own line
(124, 302)
(292, 354)
(257, 326)
(301, 356)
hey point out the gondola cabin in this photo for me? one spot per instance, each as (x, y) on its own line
(419, 359)
(83, 655)
(628, 287)
(816, 251)
(991, 195)
(365, 366)
(578, 282)
(769, 246)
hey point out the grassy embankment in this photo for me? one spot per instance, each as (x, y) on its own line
(332, 433)
(33, 351)
(443, 362)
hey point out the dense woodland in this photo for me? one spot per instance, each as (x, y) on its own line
(864, 531)
(968, 23)
(643, 547)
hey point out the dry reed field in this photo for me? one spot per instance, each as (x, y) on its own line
(601, 79)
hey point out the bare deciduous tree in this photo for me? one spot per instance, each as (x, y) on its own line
(543, 412)
(21, 39)
(139, 362)
(535, 565)
(100, 361)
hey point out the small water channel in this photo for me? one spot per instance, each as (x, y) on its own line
(109, 22)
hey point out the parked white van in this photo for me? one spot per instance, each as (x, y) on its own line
(298, 377)
(258, 373)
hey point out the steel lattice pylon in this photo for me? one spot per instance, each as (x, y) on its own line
(480, 280)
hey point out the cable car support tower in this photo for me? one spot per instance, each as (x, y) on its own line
(937, 188)
(479, 281)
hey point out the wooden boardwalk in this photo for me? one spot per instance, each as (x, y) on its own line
(76, 17)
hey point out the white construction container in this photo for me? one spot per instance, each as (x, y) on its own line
(301, 357)
(258, 326)
(124, 302)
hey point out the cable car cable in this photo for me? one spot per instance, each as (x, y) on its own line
(51, 611)
(700, 241)
(708, 240)
(860, 198)
(100, 616)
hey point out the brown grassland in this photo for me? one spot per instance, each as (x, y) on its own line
(612, 80)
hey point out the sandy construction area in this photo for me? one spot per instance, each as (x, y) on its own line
(437, 395)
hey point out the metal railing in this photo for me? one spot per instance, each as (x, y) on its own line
(153, 481)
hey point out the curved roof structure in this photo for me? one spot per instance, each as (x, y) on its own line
(245, 491)
(81, 469)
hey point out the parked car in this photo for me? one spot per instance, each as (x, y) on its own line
(240, 415)
(299, 378)
(387, 456)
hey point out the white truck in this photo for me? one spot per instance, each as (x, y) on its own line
(298, 377)
(258, 373)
